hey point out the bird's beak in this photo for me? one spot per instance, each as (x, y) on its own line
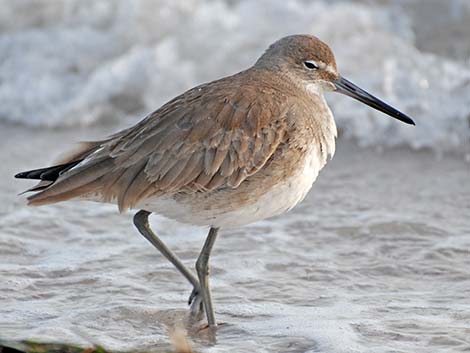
(350, 89)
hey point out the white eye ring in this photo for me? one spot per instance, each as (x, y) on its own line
(311, 65)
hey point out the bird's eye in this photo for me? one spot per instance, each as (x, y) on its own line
(311, 65)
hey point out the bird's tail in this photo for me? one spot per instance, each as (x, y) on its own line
(47, 176)
(67, 179)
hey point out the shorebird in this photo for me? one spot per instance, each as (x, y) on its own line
(223, 154)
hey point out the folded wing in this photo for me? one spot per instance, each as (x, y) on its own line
(210, 137)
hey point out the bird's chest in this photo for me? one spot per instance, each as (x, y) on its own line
(293, 189)
(300, 166)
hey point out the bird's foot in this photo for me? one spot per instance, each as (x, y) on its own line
(195, 301)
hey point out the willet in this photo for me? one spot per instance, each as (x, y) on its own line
(223, 154)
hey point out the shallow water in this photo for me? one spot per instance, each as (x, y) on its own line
(95, 61)
(376, 259)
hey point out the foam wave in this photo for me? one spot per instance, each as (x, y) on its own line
(81, 62)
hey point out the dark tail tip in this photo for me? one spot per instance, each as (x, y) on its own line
(22, 175)
(31, 174)
(49, 173)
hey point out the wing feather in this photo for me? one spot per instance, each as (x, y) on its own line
(213, 151)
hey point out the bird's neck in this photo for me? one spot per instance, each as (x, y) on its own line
(321, 117)
(315, 115)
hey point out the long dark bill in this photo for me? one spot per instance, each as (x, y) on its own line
(350, 89)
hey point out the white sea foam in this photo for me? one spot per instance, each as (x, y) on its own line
(81, 62)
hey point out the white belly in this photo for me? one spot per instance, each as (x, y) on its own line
(278, 199)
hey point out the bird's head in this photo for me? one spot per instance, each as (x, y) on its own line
(311, 63)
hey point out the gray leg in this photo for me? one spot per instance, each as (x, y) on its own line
(142, 224)
(202, 267)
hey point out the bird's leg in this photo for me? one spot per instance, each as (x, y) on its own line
(202, 268)
(142, 224)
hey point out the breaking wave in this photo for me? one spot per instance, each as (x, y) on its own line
(84, 62)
